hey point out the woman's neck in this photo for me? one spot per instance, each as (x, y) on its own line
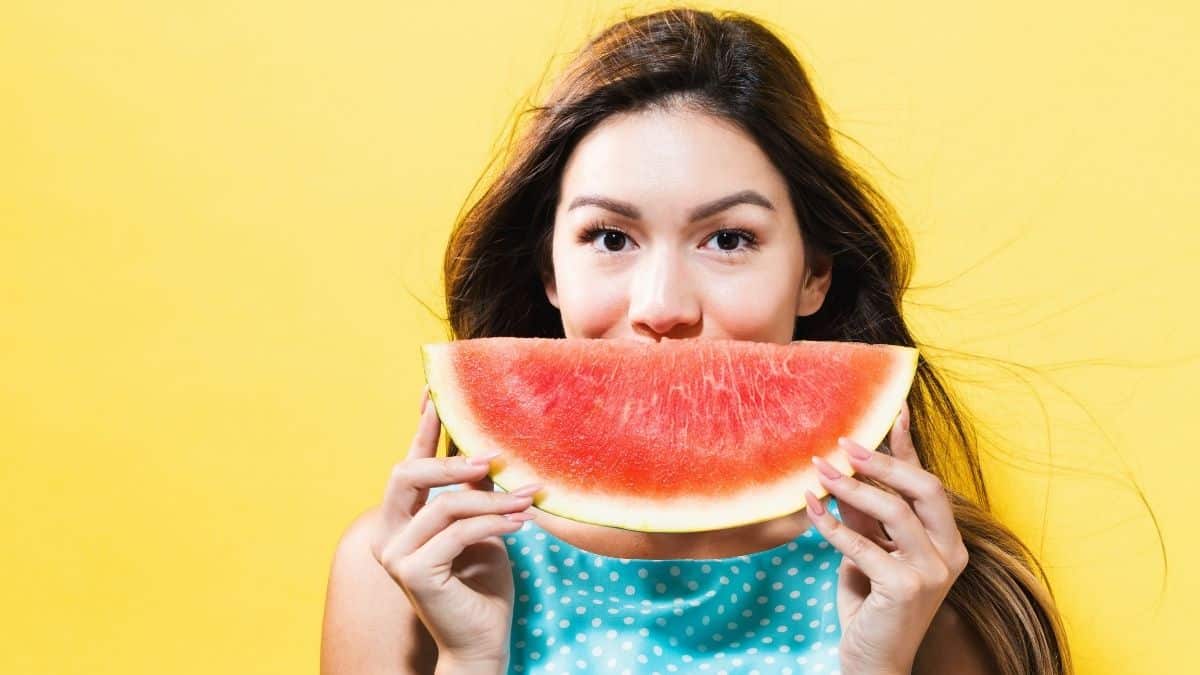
(727, 543)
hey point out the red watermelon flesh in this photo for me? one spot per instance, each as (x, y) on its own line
(683, 435)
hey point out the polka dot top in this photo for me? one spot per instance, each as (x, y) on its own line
(768, 612)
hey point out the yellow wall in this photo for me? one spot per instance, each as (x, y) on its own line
(218, 222)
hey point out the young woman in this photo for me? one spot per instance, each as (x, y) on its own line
(681, 182)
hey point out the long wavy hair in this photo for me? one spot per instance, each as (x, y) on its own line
(731, 65)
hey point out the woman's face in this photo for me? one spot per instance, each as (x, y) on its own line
(675, 225)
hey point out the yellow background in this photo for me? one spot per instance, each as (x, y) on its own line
(219, 222)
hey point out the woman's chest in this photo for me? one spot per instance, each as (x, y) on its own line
(773, 611)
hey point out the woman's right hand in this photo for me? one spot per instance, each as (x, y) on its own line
(447, 555)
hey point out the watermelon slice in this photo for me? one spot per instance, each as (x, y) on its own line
(676, 436)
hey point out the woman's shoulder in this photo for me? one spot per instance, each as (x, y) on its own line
(952, 645)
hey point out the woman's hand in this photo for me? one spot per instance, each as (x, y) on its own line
(900, 554)
(447, 555)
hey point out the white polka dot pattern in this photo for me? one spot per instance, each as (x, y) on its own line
(773, 611)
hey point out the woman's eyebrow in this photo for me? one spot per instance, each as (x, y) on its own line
(703, 211)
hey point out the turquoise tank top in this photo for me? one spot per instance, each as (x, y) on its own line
(768, 612)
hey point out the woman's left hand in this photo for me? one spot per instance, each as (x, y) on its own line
(900, 554)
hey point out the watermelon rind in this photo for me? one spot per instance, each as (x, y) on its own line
(755, 503)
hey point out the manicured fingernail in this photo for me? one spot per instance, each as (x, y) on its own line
(424, 399)
(813, 503)
(855, 450)
(481, 460)
(826, 468)
(520, 516)
(527, 491)
(904, 418)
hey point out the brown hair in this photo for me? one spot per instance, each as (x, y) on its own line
(732, 66)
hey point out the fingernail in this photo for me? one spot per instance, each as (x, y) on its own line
(904, 418)
(527, 491)
(481, 460)
(424, 399)
(826, 468)
(855, 450)
(813, 503)
(520, 516)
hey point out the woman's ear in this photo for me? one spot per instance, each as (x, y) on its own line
(815, 286)
(551, 289)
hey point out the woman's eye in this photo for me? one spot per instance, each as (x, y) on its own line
(727, 240)
(611, 240)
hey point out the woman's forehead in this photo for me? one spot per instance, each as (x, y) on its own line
(672, 162)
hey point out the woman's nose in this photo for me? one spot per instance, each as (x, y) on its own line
(662, 299)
